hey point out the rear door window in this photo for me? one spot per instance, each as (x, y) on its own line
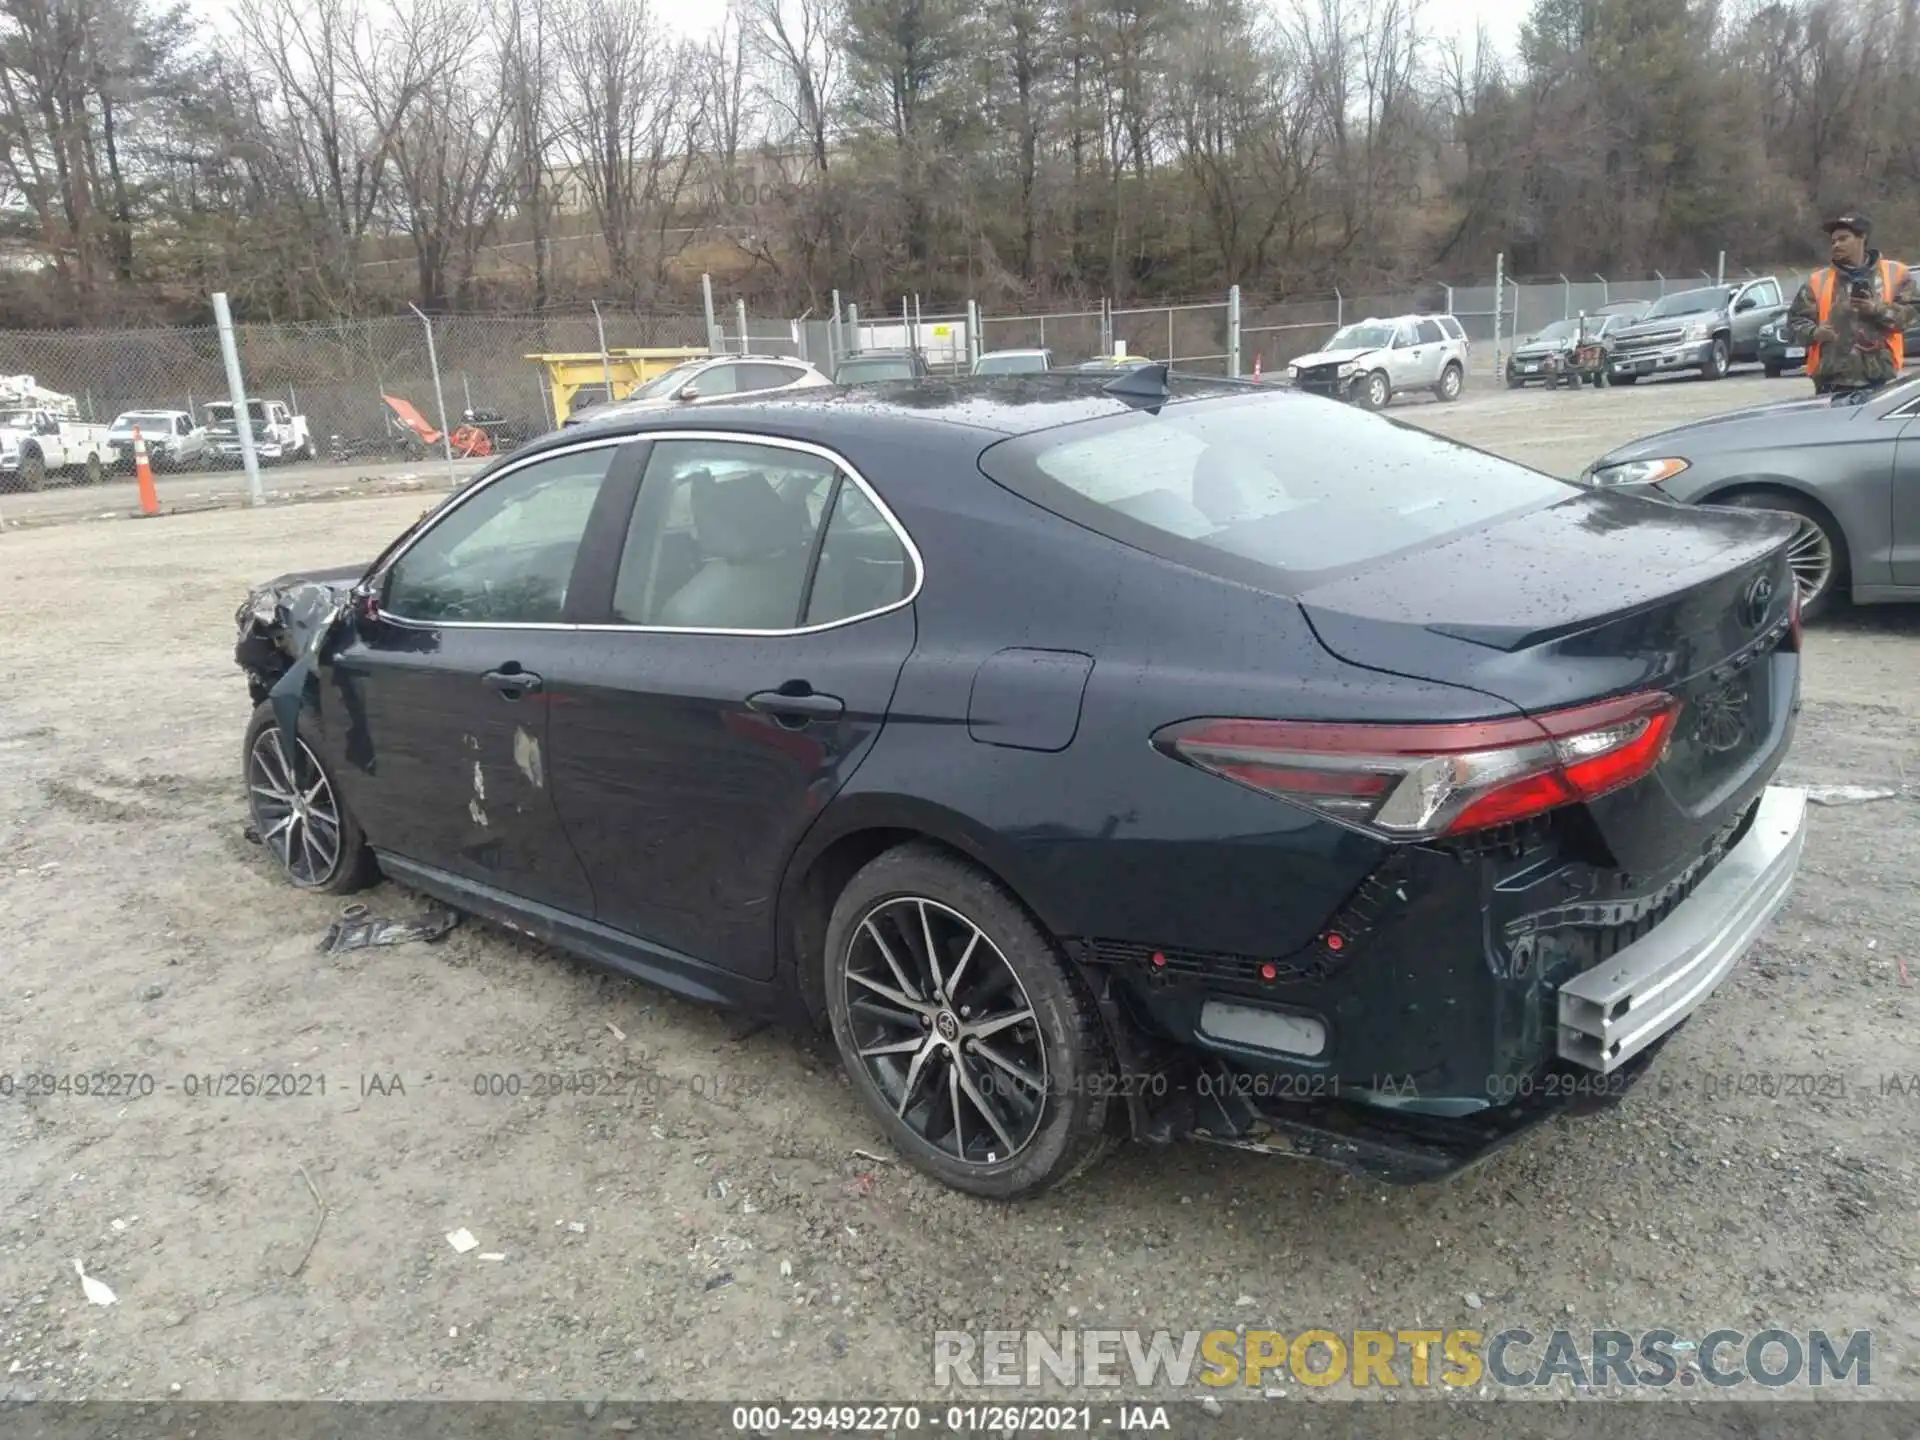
(1270, 488)
(1431, 333)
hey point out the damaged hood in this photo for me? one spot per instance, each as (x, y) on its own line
(1317, 358)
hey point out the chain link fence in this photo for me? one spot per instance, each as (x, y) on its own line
(447, 372)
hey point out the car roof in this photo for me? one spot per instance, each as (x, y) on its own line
(992, 406)
(1018, 350)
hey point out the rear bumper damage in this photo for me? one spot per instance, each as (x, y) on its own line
(1614, 1011)
(1612, 1020)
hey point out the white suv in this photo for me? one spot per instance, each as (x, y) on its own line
(720, 380)
(1373, 360)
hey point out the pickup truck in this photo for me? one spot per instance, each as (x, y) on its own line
(278, 434)
(174, 439)
(41, 434)
(1707, 330)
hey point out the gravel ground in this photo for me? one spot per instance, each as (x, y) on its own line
(716, 1230)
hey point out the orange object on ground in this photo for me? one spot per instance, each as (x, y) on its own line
(469, 441)
(143, 472)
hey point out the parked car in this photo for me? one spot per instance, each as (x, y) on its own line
(1373, 360)
(174, 439)
(1549, 356)
(717, 380)
(1842, 466)
(1113, 364)
(869, 367)
(278, 434)
(1207, 762)
(1707, 330)
(1013, 362)
(1627, 309)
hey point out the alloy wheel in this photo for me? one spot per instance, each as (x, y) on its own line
(1450, 384)
(945, 1030)
(296, 814)
(1810, 556)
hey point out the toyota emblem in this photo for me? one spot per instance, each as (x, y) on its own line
(1755, 604)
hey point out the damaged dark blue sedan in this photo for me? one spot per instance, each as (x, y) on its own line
(1097, 757)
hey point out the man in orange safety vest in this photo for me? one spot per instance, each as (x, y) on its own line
(1853, 315)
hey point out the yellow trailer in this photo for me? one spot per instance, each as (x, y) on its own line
(569, 375)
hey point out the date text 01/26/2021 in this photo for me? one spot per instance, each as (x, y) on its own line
(959, 1419)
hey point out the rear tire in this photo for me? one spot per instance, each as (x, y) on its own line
(1818, 548)
(1452, 379)
(1045, 1081)
(318, 844)
(96, 472)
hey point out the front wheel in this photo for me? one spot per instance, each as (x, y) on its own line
(33, 470)
(299, 813)
(963, 1028)
(1373, 391)
(1719, 361)
(1451, 379)
(1817, 553)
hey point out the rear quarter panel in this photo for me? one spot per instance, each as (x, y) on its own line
(1107, 837)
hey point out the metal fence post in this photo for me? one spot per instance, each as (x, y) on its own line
(713, 326)
(1043, 332)
(1499, 296)
(1233, 332)
(973, 332)
(853, 329)
(1721, 279)
(1566, 298)
(237, 391)
(440, 395)
(1449, 289)
(1169, 335)
(606, 365)
(1340, 308)
(1605, 294)
(1663, 282)
(740, 311)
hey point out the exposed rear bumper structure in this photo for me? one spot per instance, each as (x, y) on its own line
(1612, 1021)
(1617, 1009)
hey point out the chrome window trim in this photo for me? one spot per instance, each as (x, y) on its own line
(740, 437)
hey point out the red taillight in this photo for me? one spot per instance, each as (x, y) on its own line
(1413, 782)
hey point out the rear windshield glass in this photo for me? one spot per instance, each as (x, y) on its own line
(862, 371)
(1287, 483)
(1009, 364)
(1688, 302)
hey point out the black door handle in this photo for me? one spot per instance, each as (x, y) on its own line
(511, 683)
(791, 704)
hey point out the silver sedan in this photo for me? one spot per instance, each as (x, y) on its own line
(1848, 466)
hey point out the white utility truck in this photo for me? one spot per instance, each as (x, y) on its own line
(42, 434)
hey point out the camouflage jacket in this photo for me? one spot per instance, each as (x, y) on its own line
(1861, 357)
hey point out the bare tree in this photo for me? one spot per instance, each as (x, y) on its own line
(526, 69)
(633, 128)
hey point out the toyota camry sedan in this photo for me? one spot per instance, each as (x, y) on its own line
(1095, 757)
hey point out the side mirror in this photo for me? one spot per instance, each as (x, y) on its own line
(688, 392)
(1744, 304)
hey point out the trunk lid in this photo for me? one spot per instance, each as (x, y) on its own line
(1597, 596)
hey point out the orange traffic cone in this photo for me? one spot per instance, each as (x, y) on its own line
(143, 472)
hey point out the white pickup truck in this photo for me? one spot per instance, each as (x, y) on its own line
(41, 434)
(278, 434)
